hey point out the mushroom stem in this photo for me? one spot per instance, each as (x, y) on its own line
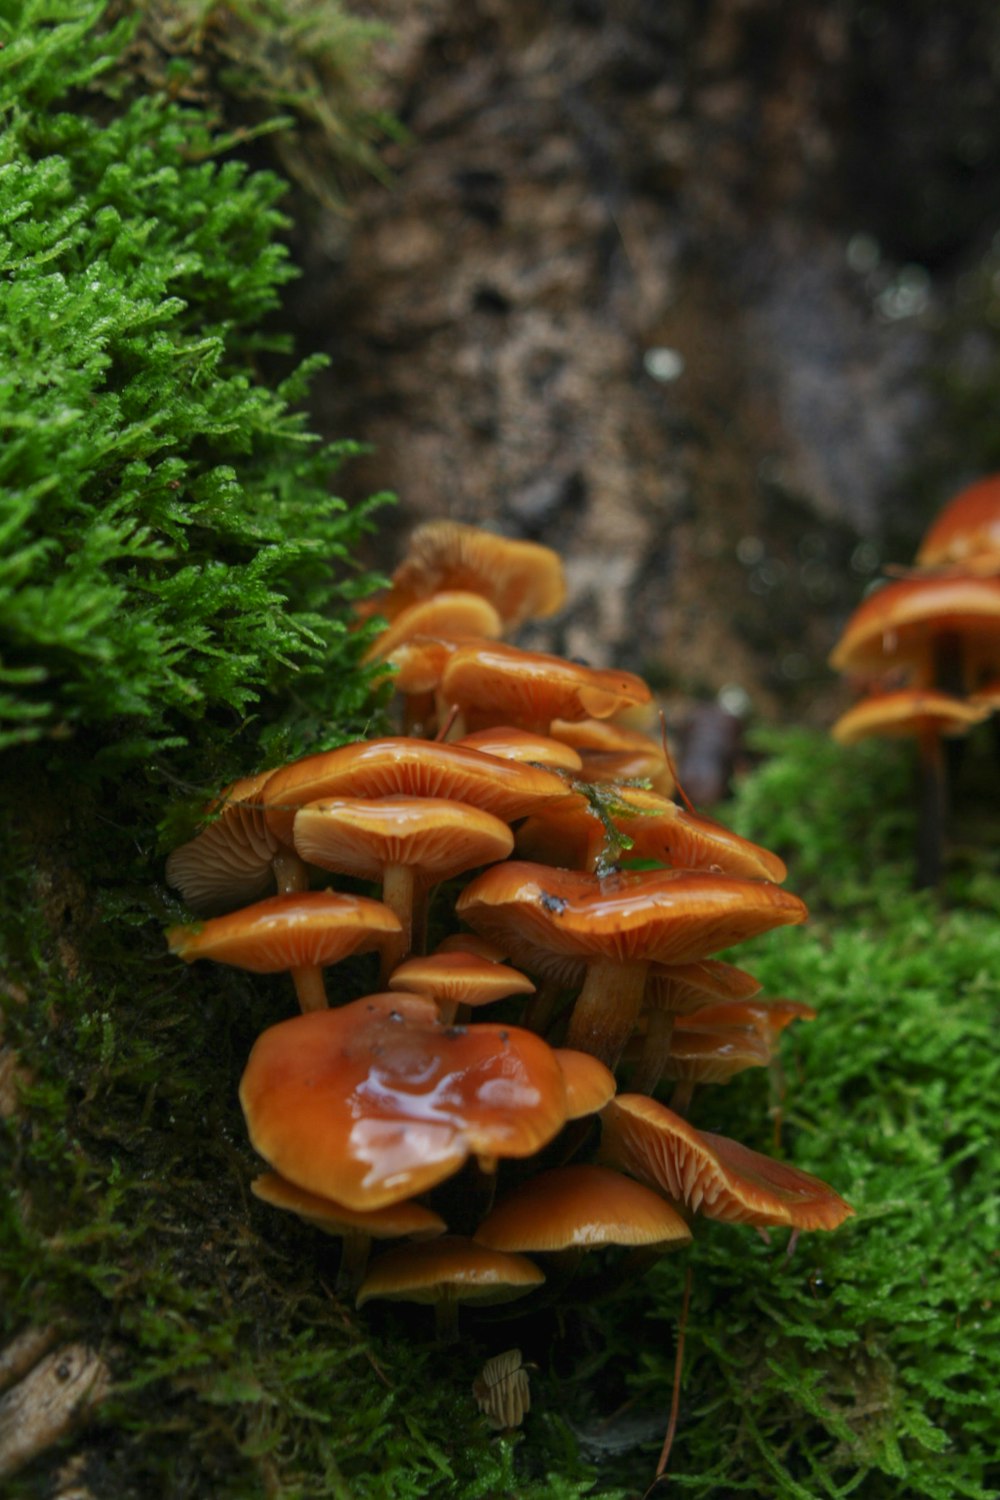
(446, 1318)
(607, 1008)
(933, 808)
(353, 1260)
(655, 1051)
(290, 873)
(310, 987)
(680, 1099)
(398, 890)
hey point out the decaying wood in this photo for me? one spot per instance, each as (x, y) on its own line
(17, 1357)
(57, 1395)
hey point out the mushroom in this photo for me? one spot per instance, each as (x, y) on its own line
(711, 1174)
(378, 1100)
(943, 632)
(589, 1084)
(446, 1272)
(612, 751)
(568, 1210)
(494, 683)
(302, 933)
(523, 580)
(457, 978)
(674, 990)
(355, 1229)
(399, 766)
(651, 827)
(236, 857)
(605, 933)
(406, 843)
(510, 743)
(966, 534)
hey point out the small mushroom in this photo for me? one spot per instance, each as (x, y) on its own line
(356, 1229)
(446, 1272)
(581, 1207)
(606, 933)
(235, 858)
(523, 580)
(494, 683)
(459, 979)
(711, 1174)
(407, 844)
(302, 933)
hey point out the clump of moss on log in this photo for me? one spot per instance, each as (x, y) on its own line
(171, 557)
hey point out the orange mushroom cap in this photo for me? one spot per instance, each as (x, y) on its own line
(288, 932)
(899, 622)
(967, 531)
(656, 829)
(378, 1101)
(523, 580)
(397, 1220)
(435, 835)
(499, 684)
(907, 711)
(589, 1084)
(397, 766)
(545, 917)
(449, 1269)
(683, 988)
(448, 614)
(584, 1206)
(711, 1174)
(459, 978)
(510, 743)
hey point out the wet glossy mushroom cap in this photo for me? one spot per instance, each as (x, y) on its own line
(510, 743)
(967, 530)
(451, 1269)
(378, 1101)
(711, 1174)
(523, 580)
(907, 711)
(581, 1206)
(288, 932)
(899, 623)
(449, 614)
(229, 862)
(499, 684)
(401, 766)
(398, 1220)
(459, 978)
(546, 916)
(361, 836)
(589, 1084)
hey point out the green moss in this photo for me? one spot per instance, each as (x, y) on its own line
(169, 548)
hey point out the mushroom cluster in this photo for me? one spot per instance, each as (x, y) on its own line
(924, 651)
(402, 1113)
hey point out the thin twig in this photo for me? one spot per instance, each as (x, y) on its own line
(675, 1400)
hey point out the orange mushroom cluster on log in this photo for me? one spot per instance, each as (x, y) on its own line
(403, 1112)
(925, 648)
